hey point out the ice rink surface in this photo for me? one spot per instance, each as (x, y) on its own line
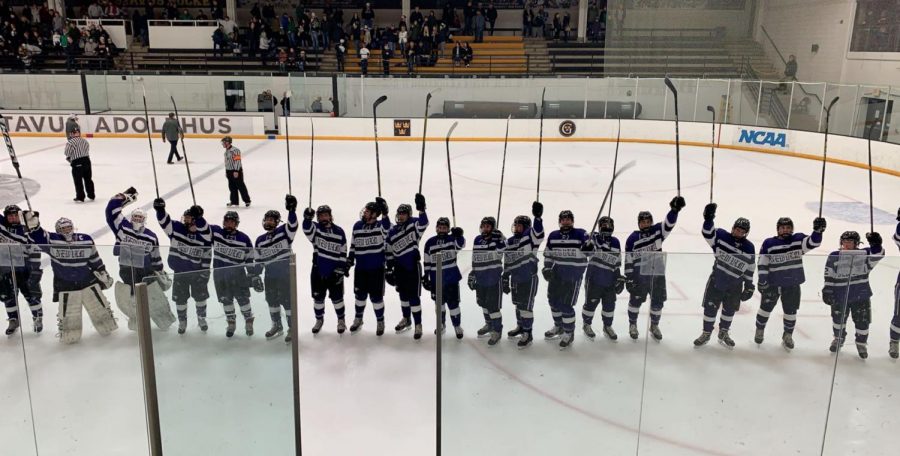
(367, 395)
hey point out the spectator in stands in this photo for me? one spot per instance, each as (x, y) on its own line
(479, 26)
(185, 15)
(403, 38)
(315, 30)
(411, 56)
(316, 105)
(235, 44)
(282, 60)
(340, 53)
(468, 17)
(286, 103)
(557, 26)
(25, 57)
(264, 47)
(527, 21)
(95, 11)
(112, 11)
(790, 71)
(468, 54)
(364, 60)
(458, 54)
(220, 41)
(491, 16)
(202, 16)
(268, 14)
(566, 25)
(301, 61)
(386, 55)
(90, 48)
(542, 22)
(227, 24)
(368, 16)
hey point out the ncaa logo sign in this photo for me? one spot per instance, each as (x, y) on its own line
(763, 138)
(567, 128)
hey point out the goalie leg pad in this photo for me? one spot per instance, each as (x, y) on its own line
(99, 310)
(160, 311)
(125, 302)
(69, 317)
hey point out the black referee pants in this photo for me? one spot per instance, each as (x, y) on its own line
(81, 175)
(235, 185)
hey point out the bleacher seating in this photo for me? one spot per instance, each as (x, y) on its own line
(178, 60)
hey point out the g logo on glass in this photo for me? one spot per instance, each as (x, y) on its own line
(567, 128)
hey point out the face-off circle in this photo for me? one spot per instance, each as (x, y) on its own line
(567, 128)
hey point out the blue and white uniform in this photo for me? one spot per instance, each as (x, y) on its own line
(781, 274)
(19, 270)
(446, 246)
(645, 268)
(402, 256)
(233, 265)
(567, 263)
(732, 274)
(367, 253)
(138, 250)
(895, 322)
(520, 265)
(273, 255)
(847, 287)
(329, 263)
(190, 255)
(603, 271)
(73, 262)
(487, 269)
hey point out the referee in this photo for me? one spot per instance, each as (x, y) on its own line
(78, 155)
(234, 171)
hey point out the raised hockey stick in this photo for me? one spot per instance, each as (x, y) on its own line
(424, 134)
(871, 203)
(712, 152)
(503, 167)
(618, 173)
(540, 145)
(312, 154)
(825, 152)
(671, 87)
(12, 156)
(377, 102)
(615, 165)
(183, 150)
(149, 139)
(287, 148)
(450, 172)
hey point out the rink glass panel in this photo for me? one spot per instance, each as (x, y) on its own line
(219, 395)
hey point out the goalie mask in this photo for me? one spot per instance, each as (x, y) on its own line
(137, 219)
(66, 229)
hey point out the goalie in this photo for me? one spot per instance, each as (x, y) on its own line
(138, 250)
(79, 277)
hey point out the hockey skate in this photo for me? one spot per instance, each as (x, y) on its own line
(484, 331)
(38, 324)
(341, 326)
(633, 331)
(610, 333)
(440, 330)
(201, 322)
(525, 340)
(229, 332)
(404, 325)
(459, 331)
(655, 332)
(248, 326)
(725, 339)
(703, 339)
(863, 350)
(288, 337)
(588, 331)
(356, 326)
(835, 344)
(553, 332)
(787, 340)
(566, 340)
(495, 337)
(759, 335)
(182, 326)
(276, 330)
(516, 332)
(379, 328)
(13, 326)
(417, 334)
(316, 327)
(894, 349)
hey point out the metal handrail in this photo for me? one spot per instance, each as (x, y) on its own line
(784, 61)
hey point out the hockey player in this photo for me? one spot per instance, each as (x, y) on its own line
(484, 278)
(273, 252)
(138, 250)
(894, 350)
(403, 270)
(781, 274)
(367, 254)
(445, 244)
(79, 277)
(234, 271)
(564, 266)
(645, 267)
(329, 264)
(731, 279)
(603, 280)
(17, 264)
(189, 257)
(847, 288)
(519, 277)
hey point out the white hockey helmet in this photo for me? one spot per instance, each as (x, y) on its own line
(65, 228)
(138, 219)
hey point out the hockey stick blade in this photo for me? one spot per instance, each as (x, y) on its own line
(380, 100)
(671, 86)
(450, 131)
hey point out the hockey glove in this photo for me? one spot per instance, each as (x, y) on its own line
(677, 203)
(620, 284)
(420, 202)
(106, 282)
(748, 291)
(159, 205)
(547, 273)
(630, 285)
(389, 276)
(828, 296)
(471, 281)
(456, 231)
(382, 205)
(709, 212)
(257, 283)
(537, 209)
(874, 239)
(165, 282)
(195, 211)
(204, 275)
(290, 203)
(32, 220)
(587, 246)
(341, 271)
(351, 261)
(505, 284)
(819, 225)
(308, 214)
(427, 284)
(763, 286)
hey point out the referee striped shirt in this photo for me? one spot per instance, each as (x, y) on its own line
(233, 159)
(77, 148)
